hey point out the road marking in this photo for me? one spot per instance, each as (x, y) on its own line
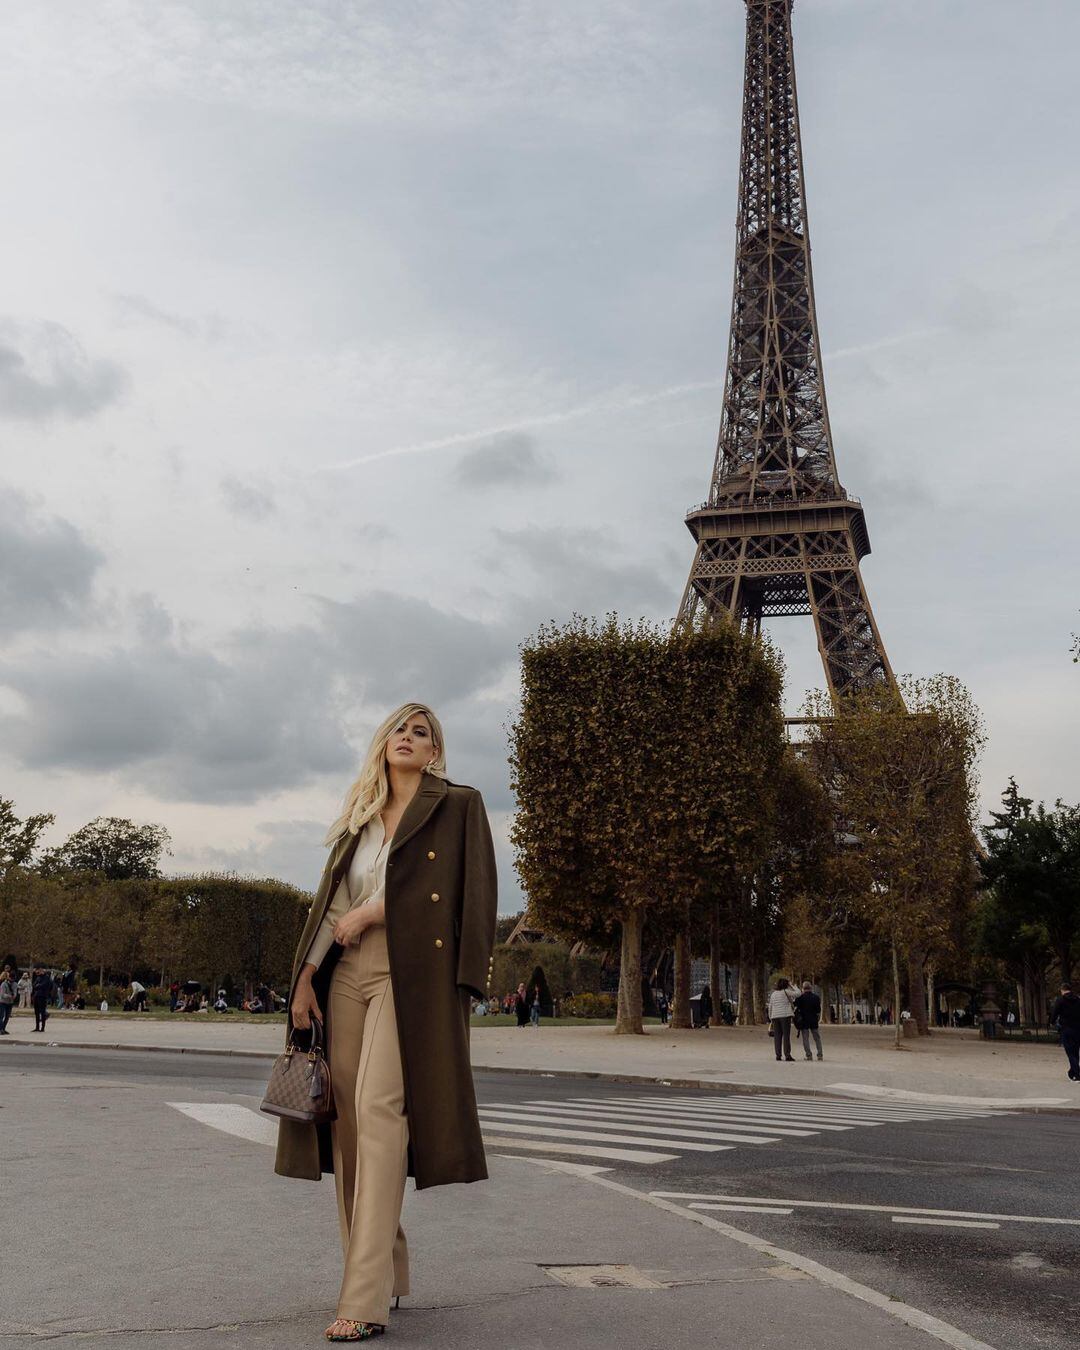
(599, 1136)
(936, 1098)
(701, 1201)
(231, 1118)
(894, 1307)
(749, 1209)
(580, 1151)
(846, 1110)
(942, 1223)
(753, 1124)
(583, 1118)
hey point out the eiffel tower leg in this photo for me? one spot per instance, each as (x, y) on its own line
(848, 639)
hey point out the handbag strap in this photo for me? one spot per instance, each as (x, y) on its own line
(317, 1038)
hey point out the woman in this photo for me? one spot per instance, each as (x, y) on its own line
(781, 1011)
(521, 1006)
(406, 906)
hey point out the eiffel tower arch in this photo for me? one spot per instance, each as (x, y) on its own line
(779, 535)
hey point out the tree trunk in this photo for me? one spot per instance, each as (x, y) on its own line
(746, 997)
(101, 977)
(931, 998)
(628, 1011)
(761, 992)
(917, 990)
(714, 963)
(680, 1003)
(898, 1028)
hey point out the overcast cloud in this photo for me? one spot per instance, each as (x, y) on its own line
(345, 344)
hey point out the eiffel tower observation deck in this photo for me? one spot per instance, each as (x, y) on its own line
(779, 535)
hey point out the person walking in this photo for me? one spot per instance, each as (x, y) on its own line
(534, 1007)
(808, 1018)
(1065, 1015)
(705, 1007)
(662, 1006)
(8, 995)
(23, 989)
(407, 901)
(40, 992)
(521, 1006)
(781, 1011)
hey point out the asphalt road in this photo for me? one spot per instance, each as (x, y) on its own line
(977, 1259)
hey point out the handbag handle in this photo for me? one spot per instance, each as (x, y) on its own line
(317, 1037)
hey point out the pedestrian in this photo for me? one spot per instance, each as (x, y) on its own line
(23, 989)
(1065, 1015)
(40, 992)
(781, 1011)
(174, 995)
(136, 1001)
(705, 1007)
(409, 888)
(8, 995)
(662, 1006)
(521, 1006)
(808, 1018)
(534, 1007)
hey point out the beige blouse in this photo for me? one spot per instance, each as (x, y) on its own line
(365, 880)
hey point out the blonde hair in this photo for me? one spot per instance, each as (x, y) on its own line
(371, 791)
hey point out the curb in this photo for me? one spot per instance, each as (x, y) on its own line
(593, 1075)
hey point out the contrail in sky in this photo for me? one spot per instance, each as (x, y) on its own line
(608, 405)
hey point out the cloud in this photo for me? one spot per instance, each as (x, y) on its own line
(291, 850)
(203, 328)
(508, 460)
(45, 373)
(256, 715)
(47, 567)
(586, 569)
(263, 711)
(246, 500)
(401, 648)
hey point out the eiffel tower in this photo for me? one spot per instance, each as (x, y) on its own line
(779, 535)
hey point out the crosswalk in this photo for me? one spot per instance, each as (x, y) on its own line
(646, 1129)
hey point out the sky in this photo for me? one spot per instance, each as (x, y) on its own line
(343, 344)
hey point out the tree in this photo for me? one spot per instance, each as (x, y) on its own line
(19, 838)
(115, 848)
(899, 769)
(1032, 868)
(249, 928)
(639, 760)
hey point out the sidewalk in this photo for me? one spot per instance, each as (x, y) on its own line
(949, 1065)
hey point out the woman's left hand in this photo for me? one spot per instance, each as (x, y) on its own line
(350, 927)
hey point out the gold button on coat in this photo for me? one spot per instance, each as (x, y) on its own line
(431, 857)
(438, 942)
(434, 895)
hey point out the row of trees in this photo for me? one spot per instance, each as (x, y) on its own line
(658, 799)
(100, 900)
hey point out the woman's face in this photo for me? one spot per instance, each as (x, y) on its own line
(411, 744)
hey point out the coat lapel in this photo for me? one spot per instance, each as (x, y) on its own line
(428, 796)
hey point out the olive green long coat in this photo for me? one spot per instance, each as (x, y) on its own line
(440, 930)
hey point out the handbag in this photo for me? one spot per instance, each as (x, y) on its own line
(299, 1086)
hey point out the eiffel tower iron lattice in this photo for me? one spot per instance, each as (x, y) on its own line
(779, 535)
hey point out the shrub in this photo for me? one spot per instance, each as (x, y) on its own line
(589, 1005)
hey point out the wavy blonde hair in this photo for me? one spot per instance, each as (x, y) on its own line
(371, 791)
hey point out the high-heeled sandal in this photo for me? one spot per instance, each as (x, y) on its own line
(357, 1331)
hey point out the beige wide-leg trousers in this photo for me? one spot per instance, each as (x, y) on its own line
(371, 1134)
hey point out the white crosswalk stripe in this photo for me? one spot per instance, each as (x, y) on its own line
(679, 1124)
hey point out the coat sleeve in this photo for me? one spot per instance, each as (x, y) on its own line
(479, 901)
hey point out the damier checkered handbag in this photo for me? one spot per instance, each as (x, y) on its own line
(299, 1086)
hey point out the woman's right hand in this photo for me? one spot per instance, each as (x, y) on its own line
(305, 1005)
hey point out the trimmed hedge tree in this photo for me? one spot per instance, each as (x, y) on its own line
(643, 762)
